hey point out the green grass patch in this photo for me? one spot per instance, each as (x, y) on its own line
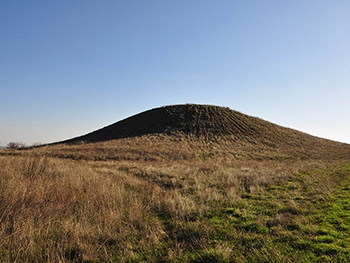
(305, 220)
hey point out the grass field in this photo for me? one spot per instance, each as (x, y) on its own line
(172, 199)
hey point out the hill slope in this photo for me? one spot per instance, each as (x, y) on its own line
(236, 134)
(200, 120)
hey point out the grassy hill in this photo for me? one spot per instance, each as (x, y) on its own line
(237, 134)
(183, 183)
(204, 121)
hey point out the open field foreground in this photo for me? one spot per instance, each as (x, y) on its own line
(184, 202)
(242, 196)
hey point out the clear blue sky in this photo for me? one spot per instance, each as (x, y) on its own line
(71, 67)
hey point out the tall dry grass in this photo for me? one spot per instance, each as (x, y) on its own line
(58, 211)
(126, 202)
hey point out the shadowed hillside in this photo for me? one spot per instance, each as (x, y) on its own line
(200, 120)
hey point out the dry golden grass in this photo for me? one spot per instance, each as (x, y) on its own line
(56, 211)
(134, 200)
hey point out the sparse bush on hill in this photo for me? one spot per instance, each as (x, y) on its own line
(16, 145)
(13, 145)
(36, 144)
